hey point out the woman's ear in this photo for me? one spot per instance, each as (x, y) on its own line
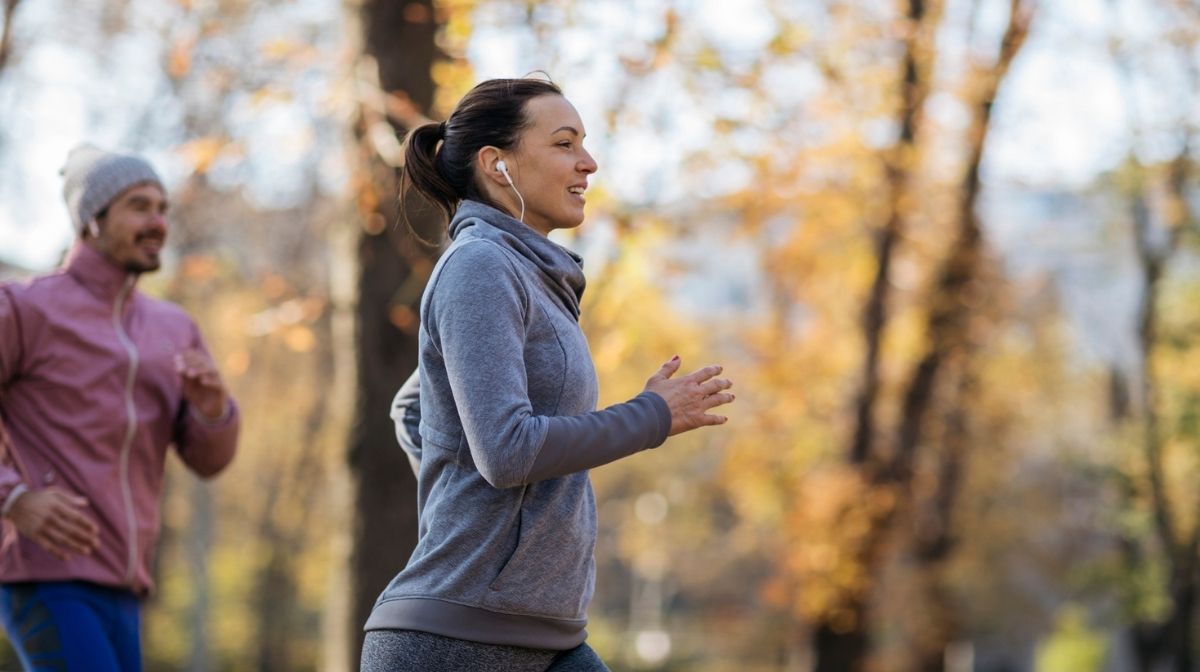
(485, 165)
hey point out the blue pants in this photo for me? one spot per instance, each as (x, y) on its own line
(72, 625)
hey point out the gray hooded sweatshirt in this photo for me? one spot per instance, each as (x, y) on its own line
(507, 430)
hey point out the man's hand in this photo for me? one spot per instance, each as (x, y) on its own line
(57, 520)
(202, 386)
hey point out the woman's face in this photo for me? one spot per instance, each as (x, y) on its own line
(549, 165)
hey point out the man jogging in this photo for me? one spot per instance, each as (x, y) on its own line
(96, 381)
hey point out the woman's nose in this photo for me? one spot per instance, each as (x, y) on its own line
(588, 165)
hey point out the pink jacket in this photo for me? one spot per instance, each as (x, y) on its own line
(89, 401)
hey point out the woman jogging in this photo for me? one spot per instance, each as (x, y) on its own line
(503, 570)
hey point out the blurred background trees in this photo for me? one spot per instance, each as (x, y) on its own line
(947, 250)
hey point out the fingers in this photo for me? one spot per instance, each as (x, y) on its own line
(694, 421)
(57, 521)
(78, 528)
(69, 537)
(714, 385)
(690, 397)
(702, 375)
(51, 547)
(202, 385)
(194, 364)
(74, 528)
(668, 369)
(206, 379)
(718, 399)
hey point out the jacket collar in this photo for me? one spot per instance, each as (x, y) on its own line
(560, 269)
(96, 272)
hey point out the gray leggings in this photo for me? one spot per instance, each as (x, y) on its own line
(413, 651)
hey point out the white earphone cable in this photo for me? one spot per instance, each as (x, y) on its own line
(522, 200)
(500, 165)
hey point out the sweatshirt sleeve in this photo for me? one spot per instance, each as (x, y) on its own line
(207, 446)
(11, 345)
(406, 414)
(10, 339)
(577, 442)
(478, 321)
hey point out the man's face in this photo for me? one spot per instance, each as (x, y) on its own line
(133, 230)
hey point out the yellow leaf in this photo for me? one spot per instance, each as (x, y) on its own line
(202, 152)
(300, 338)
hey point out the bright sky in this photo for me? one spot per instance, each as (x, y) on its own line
(1059, 122)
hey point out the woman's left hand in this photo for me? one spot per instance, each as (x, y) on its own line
(690, 397)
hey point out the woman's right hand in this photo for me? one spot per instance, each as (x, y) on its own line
(690, 397)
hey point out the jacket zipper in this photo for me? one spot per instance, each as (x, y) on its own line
(130, 428)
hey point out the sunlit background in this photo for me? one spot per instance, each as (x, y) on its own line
(946, 250)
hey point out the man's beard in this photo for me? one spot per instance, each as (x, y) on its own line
(135, 266)
(138, 267)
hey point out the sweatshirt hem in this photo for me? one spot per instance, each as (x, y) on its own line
(475, 624)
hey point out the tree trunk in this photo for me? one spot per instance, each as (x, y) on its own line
(339, 633)
(393, 268)
(841, 650)
(6, 33)
(914, 88)
(200, 530)
(198, 537)
(840, 640)
(1169, 642)
(275, 600)
(935, 535)
(275, 590)
(1183, 617)
(948, 328)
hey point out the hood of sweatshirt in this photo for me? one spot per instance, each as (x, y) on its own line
(561, 269)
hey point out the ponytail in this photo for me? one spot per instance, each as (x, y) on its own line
(439, 158)
(421, 169)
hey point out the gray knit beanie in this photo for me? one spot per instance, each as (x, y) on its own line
(93, 177)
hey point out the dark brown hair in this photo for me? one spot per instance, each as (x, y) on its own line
(439, 158)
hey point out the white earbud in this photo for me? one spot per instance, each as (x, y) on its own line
(93, 228)
(503, 168)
